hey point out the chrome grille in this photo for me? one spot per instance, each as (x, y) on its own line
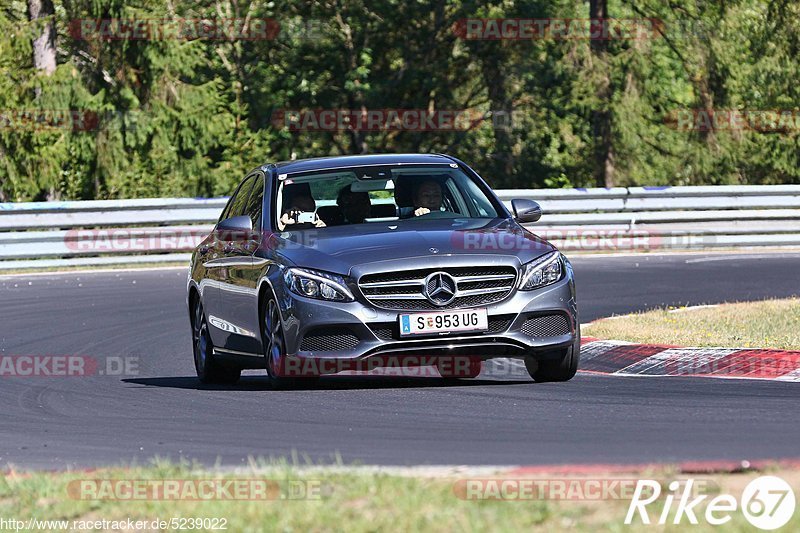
(546, 326)
(475, 286)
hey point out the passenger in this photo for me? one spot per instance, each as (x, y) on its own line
(427, 198)
(355, 206)
(300, 204)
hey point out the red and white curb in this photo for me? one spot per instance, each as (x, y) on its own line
(622, 358)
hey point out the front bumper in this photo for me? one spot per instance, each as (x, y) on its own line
(537, 323)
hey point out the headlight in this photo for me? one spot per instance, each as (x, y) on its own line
(316, 284)
(542, 272)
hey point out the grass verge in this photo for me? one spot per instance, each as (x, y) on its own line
(351, 500)
(765, 324)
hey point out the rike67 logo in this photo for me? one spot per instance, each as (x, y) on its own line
(767, 502)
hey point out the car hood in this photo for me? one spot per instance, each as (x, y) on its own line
(339, 248)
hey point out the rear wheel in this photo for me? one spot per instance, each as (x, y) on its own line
(208, 368)
(561, 368)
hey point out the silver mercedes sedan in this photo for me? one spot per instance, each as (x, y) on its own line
(335, 264)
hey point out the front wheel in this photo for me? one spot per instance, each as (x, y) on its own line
(208, 369)
(557, 369)
(275, 350)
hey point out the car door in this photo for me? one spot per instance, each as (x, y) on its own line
(208, 253)
(240, 291)
(218, 268)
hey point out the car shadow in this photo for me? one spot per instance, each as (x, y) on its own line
(259, 383)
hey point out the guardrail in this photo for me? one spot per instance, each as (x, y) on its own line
(160, 230)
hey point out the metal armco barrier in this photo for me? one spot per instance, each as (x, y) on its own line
(161, 230)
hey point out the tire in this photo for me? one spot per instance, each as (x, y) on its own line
(274, 344)
(558, 369)
(453, 367)
(209, 369)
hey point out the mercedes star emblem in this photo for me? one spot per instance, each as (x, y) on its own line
(440, 288)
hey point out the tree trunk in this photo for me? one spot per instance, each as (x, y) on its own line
(603, 146)
(44, 46)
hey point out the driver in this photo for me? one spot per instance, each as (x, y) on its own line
(427, 198)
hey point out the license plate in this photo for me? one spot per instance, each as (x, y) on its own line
(443, 322)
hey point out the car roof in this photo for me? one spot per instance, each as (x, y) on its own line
(327, 163)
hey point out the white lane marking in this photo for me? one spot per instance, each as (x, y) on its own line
(692, 308)
(729, 254)
(615, 317)
(91, 271)
(681, 362)
(433, 471)
(742, 256)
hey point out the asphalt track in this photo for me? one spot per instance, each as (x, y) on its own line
(161, 410)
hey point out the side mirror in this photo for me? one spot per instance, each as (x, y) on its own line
(526, 211)
(240, 223)
(237, 233)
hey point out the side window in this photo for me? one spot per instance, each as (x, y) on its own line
(239, 202)
(480, 206)
(452, 199)
(227, 208)
(256, 200)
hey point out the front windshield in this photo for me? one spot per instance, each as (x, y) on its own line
(378, 194)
